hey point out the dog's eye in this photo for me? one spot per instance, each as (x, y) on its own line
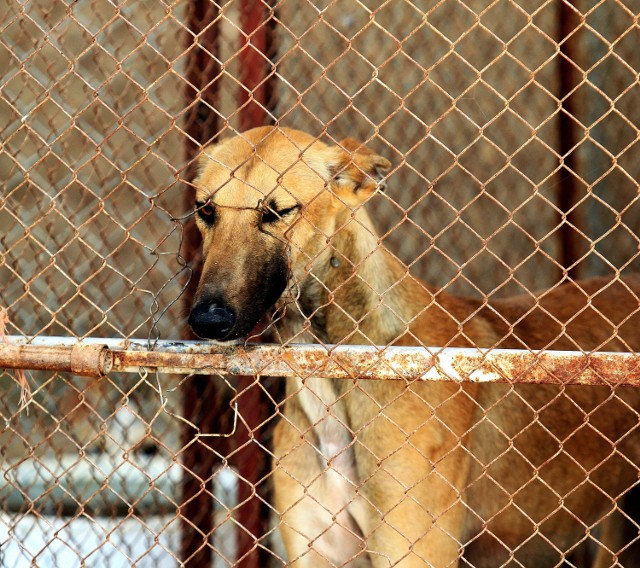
(271, 215)
(206, 212)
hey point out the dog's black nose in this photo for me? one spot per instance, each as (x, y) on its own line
(212, 320)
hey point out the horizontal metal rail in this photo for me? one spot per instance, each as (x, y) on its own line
(96, 357)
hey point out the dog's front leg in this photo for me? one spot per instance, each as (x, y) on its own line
(315, 492)
(417, 468)
(414, 531)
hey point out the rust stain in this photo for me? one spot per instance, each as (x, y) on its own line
(84, 360)
(340, 362)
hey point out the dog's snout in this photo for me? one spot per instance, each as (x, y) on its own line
(212, 320)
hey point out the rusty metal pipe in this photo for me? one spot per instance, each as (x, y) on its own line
(569, 184)
(399, 363)
(340, 362)
(86, 360)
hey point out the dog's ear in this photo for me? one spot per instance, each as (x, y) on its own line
(357, 172)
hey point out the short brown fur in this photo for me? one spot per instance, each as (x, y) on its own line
(384, 473)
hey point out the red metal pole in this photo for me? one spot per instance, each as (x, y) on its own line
(203, 405)
(256, 69)
(248, 456)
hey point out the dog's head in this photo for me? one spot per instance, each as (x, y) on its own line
(266, 203)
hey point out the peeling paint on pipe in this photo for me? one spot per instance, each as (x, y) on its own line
(86, 360)
(95, 358)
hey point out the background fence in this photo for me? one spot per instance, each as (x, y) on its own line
(513, 129)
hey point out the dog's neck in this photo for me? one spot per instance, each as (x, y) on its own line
(357, 292)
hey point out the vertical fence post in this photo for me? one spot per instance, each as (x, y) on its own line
(255, 97)
(201, 408)
(202, 403)
(251, 461)
(569, 184)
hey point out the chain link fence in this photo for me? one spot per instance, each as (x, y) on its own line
(511, 127)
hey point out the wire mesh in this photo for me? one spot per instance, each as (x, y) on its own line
(511, 127)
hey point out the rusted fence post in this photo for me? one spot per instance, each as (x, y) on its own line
(257, 51)
(247, 454)
(203, 405)
(569, 79)
(201, 400)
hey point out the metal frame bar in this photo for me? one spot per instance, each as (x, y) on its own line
(466, 365)
(571, 247)
(255, 97)
(200, 458)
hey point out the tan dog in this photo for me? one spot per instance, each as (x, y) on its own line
(385, 473)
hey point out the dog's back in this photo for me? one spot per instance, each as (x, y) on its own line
(547, 459)
(599, 314)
